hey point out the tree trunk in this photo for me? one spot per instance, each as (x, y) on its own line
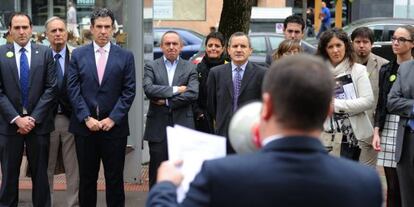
(235, 17)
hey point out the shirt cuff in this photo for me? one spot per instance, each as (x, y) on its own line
(13, 120)
(166, 102)
(175, 89)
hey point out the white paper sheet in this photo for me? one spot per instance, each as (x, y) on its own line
(193, 147)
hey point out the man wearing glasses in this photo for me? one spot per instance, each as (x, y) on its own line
(293, 28)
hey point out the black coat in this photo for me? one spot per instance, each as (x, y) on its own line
(384, 87)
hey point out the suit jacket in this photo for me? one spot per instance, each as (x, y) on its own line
(112, 98)
(220, 92)
(42, 89)
(290, 171)
(179, 109)
(401, 102)
(373, 67)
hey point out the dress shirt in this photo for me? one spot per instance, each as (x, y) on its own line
(171, 67)
(96, 47)
(234, 71)
(17, 53)
(267, 140)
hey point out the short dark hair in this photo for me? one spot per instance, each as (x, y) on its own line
(102, 12)
(216, 35)
(363, 32)
(340, 34)
(301, 88)
(19, 14)
(294, 19)
(239, 34)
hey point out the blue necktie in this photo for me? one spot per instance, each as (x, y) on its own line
(58, 70)
(411, 121)
(236, 87)
(24, 77)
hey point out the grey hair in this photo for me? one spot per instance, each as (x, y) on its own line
(53, 19)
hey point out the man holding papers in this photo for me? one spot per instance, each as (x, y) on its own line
(292, 168)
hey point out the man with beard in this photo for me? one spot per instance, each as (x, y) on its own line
(362, 40)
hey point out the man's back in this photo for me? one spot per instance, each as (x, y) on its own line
(293, 171)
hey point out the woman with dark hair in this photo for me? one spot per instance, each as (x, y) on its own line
(287, 47)
(385, 130)
(215, 45)
(353, 93)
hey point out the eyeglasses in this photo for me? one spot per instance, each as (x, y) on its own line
(400, 40)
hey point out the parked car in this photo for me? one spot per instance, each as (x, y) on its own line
(383, 28)
(192, 41)
(262, 44)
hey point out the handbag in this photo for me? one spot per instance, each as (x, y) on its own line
(332, 140)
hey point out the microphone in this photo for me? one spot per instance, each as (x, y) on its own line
(244, 128)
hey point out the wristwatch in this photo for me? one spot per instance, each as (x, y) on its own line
(87, 119)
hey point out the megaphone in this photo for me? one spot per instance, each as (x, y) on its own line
(244, 128)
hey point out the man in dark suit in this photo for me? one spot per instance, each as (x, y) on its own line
(401, 102)
(294, 29)
(292, 168)
(27, 92)
(101, 88)
(171, 85)
(231, 85)
(61, 138)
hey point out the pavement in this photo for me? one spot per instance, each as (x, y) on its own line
(135, 193)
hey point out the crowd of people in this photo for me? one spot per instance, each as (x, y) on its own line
(77, 100)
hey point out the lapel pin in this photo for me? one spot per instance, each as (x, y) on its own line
(37, 51)
(9, 54)
(392, 78)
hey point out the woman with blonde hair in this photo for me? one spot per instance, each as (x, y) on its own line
(287, 47)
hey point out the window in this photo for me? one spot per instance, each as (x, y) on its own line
(275, 41)
(378, 32)
(258, 44)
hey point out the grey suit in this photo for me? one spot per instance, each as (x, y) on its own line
(178, 110)
(401, 102)
(42, 89)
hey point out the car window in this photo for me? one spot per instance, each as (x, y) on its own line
(275, 41)
(157, 38)
(258, 44)
(378, 32)
(390, 31)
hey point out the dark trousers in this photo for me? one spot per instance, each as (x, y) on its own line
(393, 187)
(11, 152)
(405, 170)
(90, 151)
(158, 153)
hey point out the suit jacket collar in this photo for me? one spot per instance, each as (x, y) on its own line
(296, 144)
(178, 72)
(162, 70)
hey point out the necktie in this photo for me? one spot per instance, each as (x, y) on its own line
(411, 124)
(101, 64)
(236, 87)
(59, 70)
(24, 77)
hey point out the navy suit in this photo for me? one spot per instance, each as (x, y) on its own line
(291, 171)
(112, 98)
(42, 91)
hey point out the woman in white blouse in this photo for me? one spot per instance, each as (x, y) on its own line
(352, 100)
